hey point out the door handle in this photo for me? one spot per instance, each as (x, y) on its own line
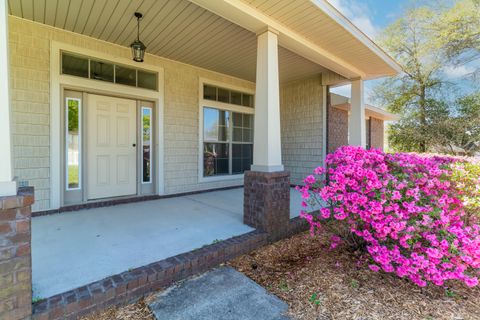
(134, 145)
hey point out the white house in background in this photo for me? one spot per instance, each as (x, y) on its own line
(225, 86)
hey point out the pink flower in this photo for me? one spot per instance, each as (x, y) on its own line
(309, 179)
(325, 213)
(471, 282)
(404, 208)
(374, 268)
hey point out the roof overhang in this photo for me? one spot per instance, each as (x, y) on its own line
(371, 111)
(307, 40)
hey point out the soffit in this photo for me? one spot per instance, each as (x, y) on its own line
(175, 29)
(307, 19)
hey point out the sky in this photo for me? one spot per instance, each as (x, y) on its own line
(371, 16)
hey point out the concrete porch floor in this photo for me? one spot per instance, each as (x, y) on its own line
(72, 249)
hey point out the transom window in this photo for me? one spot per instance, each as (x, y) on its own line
(91, 68)
(227, 135)
(227, 96)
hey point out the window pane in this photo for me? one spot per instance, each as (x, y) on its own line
(147, 80)
(125, 76)
(247, 151)
(223, 117)
(247, 135)
(241, 157)
(101, 71)
(236, 97)
(209, 92)
(223, 95)
(75, 66)
(247, 100)
(237, 166)
(222, 133)
(237, 134)
(215, 159)
(215, 124)
(248, 121)
(72, 116)
(147, 143)
(237, 119)
(247, 156)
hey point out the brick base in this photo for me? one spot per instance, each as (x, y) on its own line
(266, 202)
(15, 256)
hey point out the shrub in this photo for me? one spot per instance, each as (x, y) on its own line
(401, 209)
(466, 179)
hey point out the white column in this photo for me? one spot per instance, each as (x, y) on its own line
(7, 186)
(356, 123)
(267, 150)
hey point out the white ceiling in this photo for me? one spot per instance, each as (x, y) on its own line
(175, 29)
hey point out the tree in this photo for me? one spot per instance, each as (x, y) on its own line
(468, 122)
(458, 32)
(417, 94)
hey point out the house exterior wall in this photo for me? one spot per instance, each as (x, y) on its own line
(29, 45)
(377, 133)
(337, 128)
(301, 127)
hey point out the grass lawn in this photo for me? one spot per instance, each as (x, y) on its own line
(73, 176)
(319, 283)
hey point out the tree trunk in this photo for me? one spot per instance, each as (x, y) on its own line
(423, 118)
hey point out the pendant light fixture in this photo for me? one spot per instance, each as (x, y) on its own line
(137, 46)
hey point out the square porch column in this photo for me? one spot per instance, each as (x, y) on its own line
(7, 186)
(267, 185)
(357, 126)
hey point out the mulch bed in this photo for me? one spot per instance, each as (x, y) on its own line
(134, 311)
(323, 284)
(319, 283)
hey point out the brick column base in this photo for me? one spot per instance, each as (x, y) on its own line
(15, 256)
(266, 204)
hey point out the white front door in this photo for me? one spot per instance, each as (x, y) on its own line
(111, 147)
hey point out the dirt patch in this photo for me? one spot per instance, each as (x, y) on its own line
(319, 283)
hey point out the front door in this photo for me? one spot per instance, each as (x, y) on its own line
(111, 147)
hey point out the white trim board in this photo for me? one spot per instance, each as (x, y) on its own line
(58, 82)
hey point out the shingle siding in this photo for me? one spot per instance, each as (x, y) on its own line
(29, 45)
(301, 127)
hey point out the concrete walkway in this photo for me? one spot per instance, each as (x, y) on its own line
(220, 294)
(72, 249)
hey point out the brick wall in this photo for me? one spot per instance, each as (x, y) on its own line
(29, 45)
(267, 202)
(377, 133)
(337, 129)
(15, 257)
(301, 127)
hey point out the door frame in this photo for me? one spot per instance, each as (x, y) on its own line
(79, 196)
(61, 82)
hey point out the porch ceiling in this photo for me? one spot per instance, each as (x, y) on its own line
(175, 29)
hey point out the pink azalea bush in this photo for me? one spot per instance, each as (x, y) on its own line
(402, 208)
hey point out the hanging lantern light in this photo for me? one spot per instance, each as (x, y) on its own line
(137, 46)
